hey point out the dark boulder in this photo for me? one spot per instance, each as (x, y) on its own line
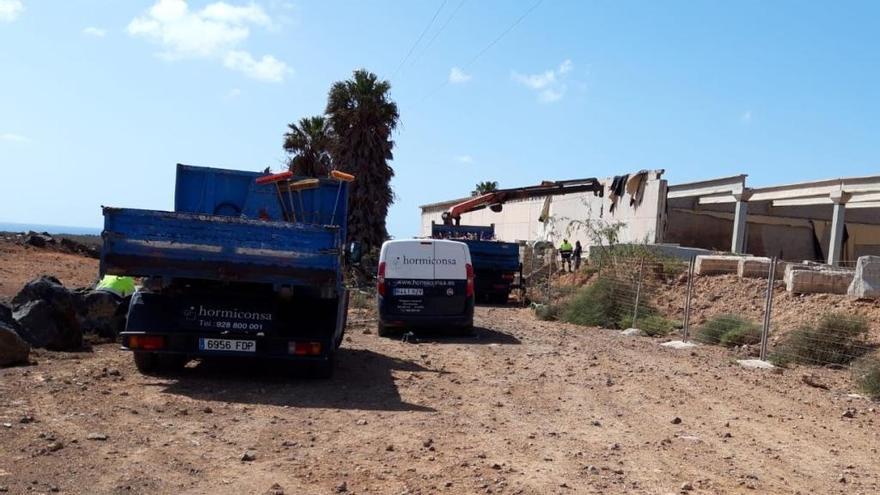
(38, 240)
(101, 313)
(45, 287)
(13, 349)
(46, 312)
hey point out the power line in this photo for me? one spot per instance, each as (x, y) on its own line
(437, 34)
(489, 46)
(504, 33)
(425, 31)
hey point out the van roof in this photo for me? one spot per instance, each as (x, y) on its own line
(411, 241)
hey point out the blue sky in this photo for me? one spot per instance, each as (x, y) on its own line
(100, 98)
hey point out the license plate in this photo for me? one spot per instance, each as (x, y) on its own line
(227, 345)
(407, 291)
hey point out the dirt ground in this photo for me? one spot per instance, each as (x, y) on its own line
(525, 407)
(19, 264)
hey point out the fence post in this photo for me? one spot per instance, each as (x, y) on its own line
(638, 293)
(768, 308)
(687, 299)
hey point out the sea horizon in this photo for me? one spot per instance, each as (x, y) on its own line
(52, 229)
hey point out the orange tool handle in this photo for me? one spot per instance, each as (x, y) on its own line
(336, 174)
(268, 179)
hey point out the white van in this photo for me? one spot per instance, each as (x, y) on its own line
(425, 283)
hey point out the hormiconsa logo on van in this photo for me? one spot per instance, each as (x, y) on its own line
(426, 261)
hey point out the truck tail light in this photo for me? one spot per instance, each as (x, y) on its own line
(304, 348)
(507, 276)
(470, 279)
(146, 342)
(380, 280)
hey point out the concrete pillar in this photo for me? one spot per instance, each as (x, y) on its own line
(835, 244)
(740, 223)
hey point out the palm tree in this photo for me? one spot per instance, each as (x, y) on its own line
(363, 117)
(485, 187)
(309, 144)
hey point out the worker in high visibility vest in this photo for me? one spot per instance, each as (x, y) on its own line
(121, 287)
(565, 251)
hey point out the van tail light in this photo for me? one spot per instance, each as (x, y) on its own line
(146, 342)
(470, 279)
(380, 279)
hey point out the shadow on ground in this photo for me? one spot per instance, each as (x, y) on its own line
(481, 335)
(362, 380)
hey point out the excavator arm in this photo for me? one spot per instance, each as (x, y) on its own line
(496, 199)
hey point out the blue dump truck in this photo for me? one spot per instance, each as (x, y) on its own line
(243, 266)
(497, 269)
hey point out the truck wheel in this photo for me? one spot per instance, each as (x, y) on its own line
(172, 363)
(465, 331)
(323, 369)
(146, 362)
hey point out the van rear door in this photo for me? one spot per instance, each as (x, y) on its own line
(450, 278)
(426, 278)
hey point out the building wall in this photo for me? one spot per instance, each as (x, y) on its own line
(518, 220)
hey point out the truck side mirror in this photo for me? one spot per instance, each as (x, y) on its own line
(355, 253)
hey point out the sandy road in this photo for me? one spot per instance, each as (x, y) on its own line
(525, 407)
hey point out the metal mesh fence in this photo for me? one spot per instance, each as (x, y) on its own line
(817, 325)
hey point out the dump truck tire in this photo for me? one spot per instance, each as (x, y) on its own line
(146, 362)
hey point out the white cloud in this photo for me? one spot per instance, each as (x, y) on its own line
(217, 32)
(10, 10)
(464, 159)
(268, 68)
(458, 76)
(233, 93)
(14, 138)
(550, 85)
(746, 117)
(95, 32)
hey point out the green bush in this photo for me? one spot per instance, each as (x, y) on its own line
(547, 312)
(728, 330)
(742, 335)
(866, 373)
(594, 305)
(656, 326)
(837, 338)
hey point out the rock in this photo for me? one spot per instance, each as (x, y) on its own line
(100, 312)
(46, 312)
(207, 410)
(13, 349)
(866, 282)
(275, 489)
(361, 422)
(38, 240)
(341, 488)
(55, 446)
(686, 487)
(96, 436)
(849, 413)
(631, 332)
(249, 456)
(676, 420)
(43, 326)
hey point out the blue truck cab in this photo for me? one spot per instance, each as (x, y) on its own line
(497, 268)
(230, 273)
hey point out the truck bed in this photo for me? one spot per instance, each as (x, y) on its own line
(494, 255)
(223, 248)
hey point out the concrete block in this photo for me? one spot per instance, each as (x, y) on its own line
(758, 267)
(716, 264)
(755, 364)
(866, 280)
(821, 281)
